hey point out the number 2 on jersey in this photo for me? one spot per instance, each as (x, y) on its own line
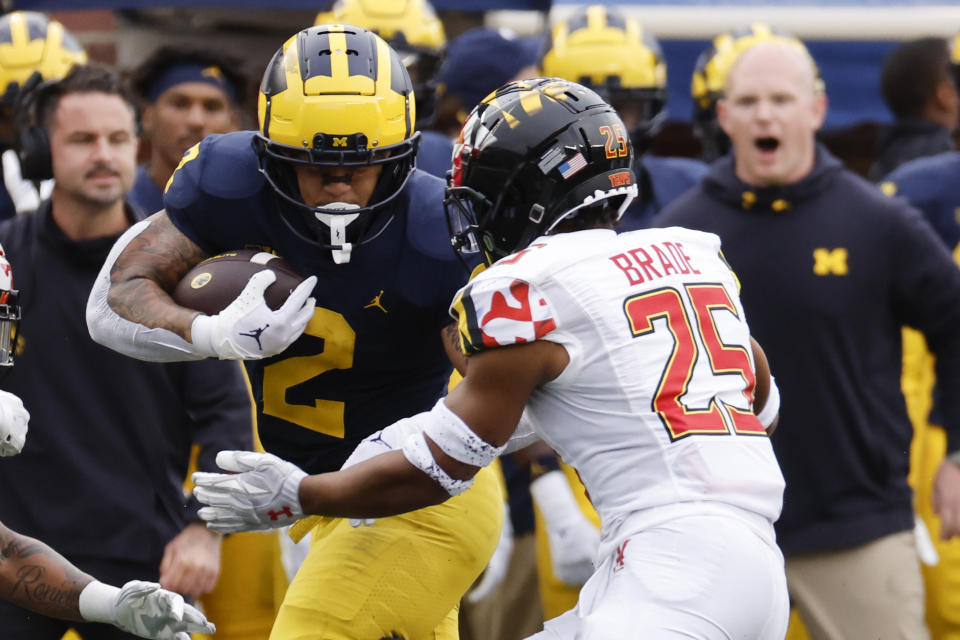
(325, 416)
(678, 374)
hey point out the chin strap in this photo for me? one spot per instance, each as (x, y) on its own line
(337, 222)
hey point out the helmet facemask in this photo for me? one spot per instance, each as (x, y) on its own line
(511, 183)
(351, 108)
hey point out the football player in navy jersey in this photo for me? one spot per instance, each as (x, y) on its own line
(328, 183)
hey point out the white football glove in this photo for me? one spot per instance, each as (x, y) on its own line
(263, 492)
(247, 329)
(499, 562)
(143, 609)
(13, 424)
(572, 538)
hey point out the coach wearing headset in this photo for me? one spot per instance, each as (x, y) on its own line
(118, 429)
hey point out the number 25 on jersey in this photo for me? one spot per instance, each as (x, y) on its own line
(718, 417)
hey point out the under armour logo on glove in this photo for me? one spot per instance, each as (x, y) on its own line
(263, 492)
(275, 515)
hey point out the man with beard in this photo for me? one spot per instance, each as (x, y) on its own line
(119, 430)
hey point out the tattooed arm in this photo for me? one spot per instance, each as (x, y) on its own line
(147, 268)
(130, 310)
(35, 577)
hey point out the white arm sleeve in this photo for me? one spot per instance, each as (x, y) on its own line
(130, 338)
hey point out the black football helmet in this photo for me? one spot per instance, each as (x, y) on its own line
(532, 154)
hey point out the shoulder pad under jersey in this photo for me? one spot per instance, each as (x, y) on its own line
(221, 165)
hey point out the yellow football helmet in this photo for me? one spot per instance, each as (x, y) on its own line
(336, 95)
(411, 27)
(29, 41)
(602, 49)
(710, 75)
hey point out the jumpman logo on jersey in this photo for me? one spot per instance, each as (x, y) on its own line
(378, 437)
(255, 334)
(375, 302)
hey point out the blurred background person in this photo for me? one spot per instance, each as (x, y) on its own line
(184, 94)
(477, 62)
(710, 75)
(830, 315)
(29, 42)
(918, 87)
(120, 431)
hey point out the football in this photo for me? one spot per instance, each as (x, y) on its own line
(217, 281)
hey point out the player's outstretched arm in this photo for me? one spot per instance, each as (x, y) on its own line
(35, 577)
(463, 432)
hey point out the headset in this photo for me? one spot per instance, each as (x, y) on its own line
(32, 142)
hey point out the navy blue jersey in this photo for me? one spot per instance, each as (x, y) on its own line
(661, 181)
(931, 185)
(435, 153)
(372, 353)
(145, 195)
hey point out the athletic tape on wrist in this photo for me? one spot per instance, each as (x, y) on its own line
(98, 602)
(417, 452)
(456, 439)
(772, 406)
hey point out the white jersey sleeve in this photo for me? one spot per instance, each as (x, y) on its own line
(501, 310)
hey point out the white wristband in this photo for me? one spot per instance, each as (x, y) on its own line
(98, 602)
(201, 334)
(772, 406)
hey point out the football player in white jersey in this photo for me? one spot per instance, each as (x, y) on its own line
(35, 577)
(633, 359)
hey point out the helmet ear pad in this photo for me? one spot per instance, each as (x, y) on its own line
(32, 142)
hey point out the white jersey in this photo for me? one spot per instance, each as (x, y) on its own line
(655, 406)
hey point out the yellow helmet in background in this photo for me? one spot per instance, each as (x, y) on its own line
(29, 42)
(411, 27)
(336, 95)
(410, 22)
(614, 55)
(710, 75)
